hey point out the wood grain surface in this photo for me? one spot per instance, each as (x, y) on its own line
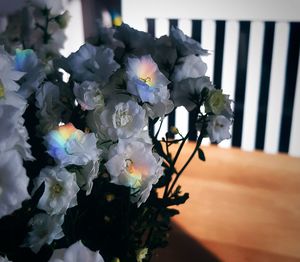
(243, 206)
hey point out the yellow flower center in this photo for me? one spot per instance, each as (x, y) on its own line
(146, 80)
(56, 189)
(2, 90)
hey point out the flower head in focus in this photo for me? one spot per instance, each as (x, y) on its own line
(60, 190)
(88, 95)
(45, 229)
(68, 145)
(150, 86)
(122, 119)
(76, 253)
(131, 163)
(92, 63)
(218, 128)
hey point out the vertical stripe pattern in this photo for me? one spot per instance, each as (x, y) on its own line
(257, 63)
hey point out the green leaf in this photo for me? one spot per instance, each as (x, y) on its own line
(201, 154)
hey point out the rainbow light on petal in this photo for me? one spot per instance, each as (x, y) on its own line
(146, 72)
(56, 139)
(21, 57)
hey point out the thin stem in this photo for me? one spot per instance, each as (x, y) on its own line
(156, 135)
(180, 148)
(199, 141)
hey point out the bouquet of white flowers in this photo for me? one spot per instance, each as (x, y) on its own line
(79, 172)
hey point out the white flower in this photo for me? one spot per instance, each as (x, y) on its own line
(88, 95)
(86, 176)
(122, 119)
(186, 45)
(76, 253)
(8, 74)
(55, 6)
(45, 229)
(147, 83)
(27, 61)
(4, 259)
(13, 182)
(13, 134)
(190, 66)
(218, 128)
(131, 163)
(187, 92)
(92, 63)
(60, 190)
(68, 145)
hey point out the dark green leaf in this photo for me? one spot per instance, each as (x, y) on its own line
(201, 154)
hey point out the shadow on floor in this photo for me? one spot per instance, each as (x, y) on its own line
(183, 247)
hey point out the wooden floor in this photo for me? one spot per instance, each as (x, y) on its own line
(243, 206)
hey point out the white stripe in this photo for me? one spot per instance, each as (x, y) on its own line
(181, 120)
(182, 115)
(163, 129)
(208, 36)
(294, 148)
(230, 64)
(252, 85)
(161, 28)
(276, 91)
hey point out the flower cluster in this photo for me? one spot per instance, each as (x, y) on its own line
(77, 159)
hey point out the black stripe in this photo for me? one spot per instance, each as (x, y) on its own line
(219, 50)
(173, 22)
(151, 26)
(196, 30)
(151, 127)
(240, 82)
(196, 35)
(151, 30)
(290, 86)
(171, 116)
(264, 84)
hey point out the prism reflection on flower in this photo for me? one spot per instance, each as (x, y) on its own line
(132, 164)
(68, 145)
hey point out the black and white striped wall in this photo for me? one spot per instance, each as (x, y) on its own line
(254, 58)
